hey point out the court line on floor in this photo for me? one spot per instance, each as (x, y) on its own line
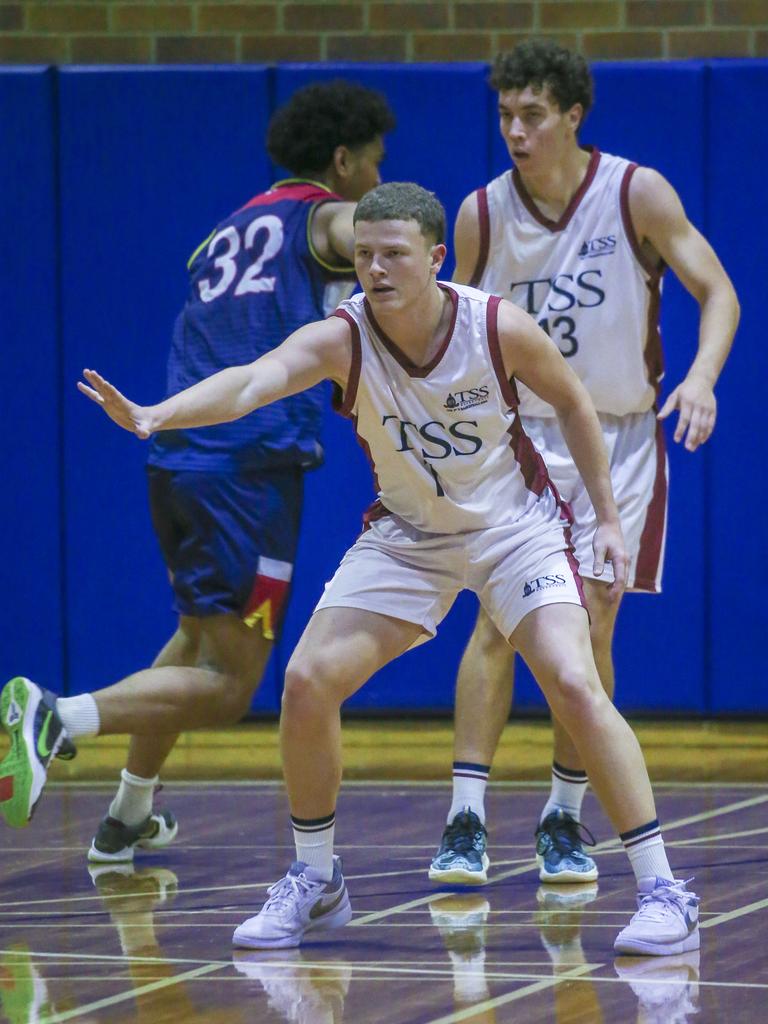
(153, 986)
(731, 915)
(223, 784)
(608, 846)
(523, 866)
(511, 997)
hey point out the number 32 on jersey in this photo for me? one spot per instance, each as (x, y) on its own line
(226, 245)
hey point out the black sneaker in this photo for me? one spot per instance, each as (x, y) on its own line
(462, 858)
(115, 842)
(559, 852)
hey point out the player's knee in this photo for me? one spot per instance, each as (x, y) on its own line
(576, 693)
(234, 698)
(307, 681)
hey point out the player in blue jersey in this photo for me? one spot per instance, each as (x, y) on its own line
(226, 500)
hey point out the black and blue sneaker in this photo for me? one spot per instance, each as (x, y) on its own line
(114, 842)
(462, 858)
(28, 714)
(559, 851)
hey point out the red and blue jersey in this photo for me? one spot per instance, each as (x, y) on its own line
(253, 281)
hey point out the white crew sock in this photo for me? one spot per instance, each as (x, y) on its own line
(645, 849)
(314, 842)
(469, 783)
(79, 715)
(133, 800)
(568, 789)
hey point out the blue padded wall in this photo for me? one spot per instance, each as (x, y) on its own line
(31, 626)
(151, 160)
(737, 210)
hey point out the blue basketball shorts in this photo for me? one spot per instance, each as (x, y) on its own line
(229, 540)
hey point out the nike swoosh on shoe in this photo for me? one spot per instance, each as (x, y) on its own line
(318, 909)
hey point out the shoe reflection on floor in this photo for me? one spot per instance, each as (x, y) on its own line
(132, 896)
(667, 987)
(299, 988)
(559, 919)
(24, 995)
(461, 919)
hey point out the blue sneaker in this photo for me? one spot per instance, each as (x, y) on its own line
(559, 853)
(299, 903)
(28, 715)
(666, 922)
(462, 858)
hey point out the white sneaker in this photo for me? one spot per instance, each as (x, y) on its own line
(666, 922)
(299, 903)
(667, 990)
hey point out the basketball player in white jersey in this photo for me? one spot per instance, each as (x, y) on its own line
(580, 240)
(428, 371)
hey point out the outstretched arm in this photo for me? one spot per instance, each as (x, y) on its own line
(311, 354)
(532, 357)
(661, 225)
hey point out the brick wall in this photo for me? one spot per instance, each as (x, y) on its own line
(219, 31)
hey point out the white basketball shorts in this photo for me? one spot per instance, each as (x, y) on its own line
(639, 476)
(394, 569)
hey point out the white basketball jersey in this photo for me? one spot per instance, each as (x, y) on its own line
(583, 278)
(448, 450)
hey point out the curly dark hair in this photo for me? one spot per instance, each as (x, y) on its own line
(540, 62)
(304, 132)
(404, 200)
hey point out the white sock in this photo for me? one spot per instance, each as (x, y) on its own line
(314, 842)
(79, 715)
(133, 800)
(568, 789)
(469, 782)
(645, 849)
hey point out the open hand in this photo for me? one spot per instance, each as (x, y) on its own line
(698, 410)
(135, 418)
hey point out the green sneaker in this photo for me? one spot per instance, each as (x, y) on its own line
(28, 715)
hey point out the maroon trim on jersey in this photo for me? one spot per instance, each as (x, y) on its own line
(397, 353)
(654, 270)
(573, 561)
(300, 191)
(373, 513)
(484, 224)
(506, 385)
(652, 539)
(531, 464)
(653, 352)
(576, 198)
(343, 400)
(366, 449)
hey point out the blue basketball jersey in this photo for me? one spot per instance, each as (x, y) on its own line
(253, 281)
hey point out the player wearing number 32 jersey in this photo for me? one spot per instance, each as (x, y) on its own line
(226, 500)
